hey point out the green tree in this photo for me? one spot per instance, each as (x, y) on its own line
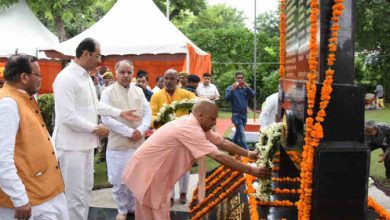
(230, 44)
(219, 16)
(65, 17)
(268, 22)
(177, 7)
(373, 42)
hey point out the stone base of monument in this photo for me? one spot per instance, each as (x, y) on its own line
(110, 214)
(225, 201)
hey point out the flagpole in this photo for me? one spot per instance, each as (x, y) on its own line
(254, 64)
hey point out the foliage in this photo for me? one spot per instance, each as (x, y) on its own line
(218, 16)
(46, 104)
(373, 42)
(221, 31)
(178, 7)
(268, 23)
(65, 17)
(232, 50)
(4, 4)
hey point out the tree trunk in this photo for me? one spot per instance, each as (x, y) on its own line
(60, 28)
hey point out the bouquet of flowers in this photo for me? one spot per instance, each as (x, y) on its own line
(266, 147)
(167, 111)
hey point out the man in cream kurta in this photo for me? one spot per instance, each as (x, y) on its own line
(125, 136)
(160, 161)
(76, 128)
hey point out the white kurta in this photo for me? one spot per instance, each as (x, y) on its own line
(207, 91)
(77, 109)
(10, 183)
(269, 111)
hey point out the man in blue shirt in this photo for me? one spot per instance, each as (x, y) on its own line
(238, 94)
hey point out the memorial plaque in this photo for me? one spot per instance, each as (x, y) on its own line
(297, 38)
(342, 144)
(233, 207)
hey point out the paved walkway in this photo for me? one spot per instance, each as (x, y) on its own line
(103, 198)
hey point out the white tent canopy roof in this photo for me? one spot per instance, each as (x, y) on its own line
(132, 27)
(22, 31)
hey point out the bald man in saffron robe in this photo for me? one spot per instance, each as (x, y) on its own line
(160, 161)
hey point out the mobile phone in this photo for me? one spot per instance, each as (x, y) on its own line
(241, 84)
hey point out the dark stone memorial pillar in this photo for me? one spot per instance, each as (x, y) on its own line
(342, 160)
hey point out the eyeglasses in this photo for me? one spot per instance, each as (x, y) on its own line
(239, 77)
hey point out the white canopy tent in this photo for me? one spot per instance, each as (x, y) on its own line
(22, 31)
(137, 28)
(133, 27)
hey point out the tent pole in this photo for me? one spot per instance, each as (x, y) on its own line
(167, 7)
(254, 64)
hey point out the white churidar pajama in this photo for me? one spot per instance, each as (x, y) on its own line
(54, 209)
(116, 163)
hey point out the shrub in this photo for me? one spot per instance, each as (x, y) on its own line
(46, 104)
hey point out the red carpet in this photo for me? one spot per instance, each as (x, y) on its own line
(222, 125)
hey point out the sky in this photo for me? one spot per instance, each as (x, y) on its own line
(248, 7)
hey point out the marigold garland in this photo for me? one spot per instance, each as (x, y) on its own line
(276, 203)
(286, 179)
(254, 215)
(304, 203)
(382, 212)
(286, 191)
(215, 192)
(218, 200)
(314, 131)
(282, 42)
(210, 181)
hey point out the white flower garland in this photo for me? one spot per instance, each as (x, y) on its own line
(266, 148)
(167, 112)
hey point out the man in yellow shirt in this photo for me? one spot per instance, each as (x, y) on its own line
(167, 95)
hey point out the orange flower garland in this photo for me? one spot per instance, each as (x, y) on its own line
(286, 191)
(314, 131)
(304, 203)
(250, 191)
(217, 200)
(286, 179)
(378, 209)
(282, 50)
(210, 182)
(276, 203)
(217, 190)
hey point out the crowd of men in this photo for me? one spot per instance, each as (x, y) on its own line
(51, 177)
(44, 177)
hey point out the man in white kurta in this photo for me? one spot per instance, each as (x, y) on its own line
(125, 137)
(269, 110)
(206, 89)
(76, 129)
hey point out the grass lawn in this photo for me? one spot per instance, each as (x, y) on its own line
(101, 180)
(224, 114)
